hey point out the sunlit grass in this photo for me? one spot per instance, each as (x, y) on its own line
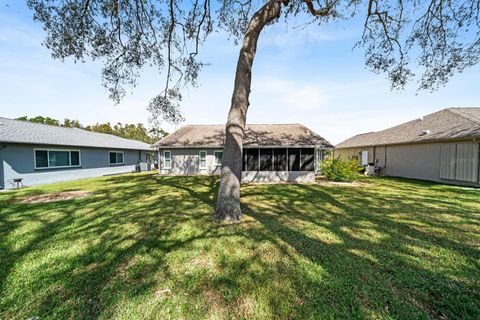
(143, 246)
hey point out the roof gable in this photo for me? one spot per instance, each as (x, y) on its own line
(451, 123)
(15, 131)
(213, 136)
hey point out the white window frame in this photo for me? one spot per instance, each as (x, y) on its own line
(217, 164)
(48, 158)
(169, 158)
(116, 163)
(200, 159)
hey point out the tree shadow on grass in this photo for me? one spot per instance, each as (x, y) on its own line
(302, 251)
(374, 259)
(111, 228)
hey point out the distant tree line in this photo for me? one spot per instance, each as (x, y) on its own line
(130, 131)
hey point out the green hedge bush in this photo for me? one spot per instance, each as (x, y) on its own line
(340, 170)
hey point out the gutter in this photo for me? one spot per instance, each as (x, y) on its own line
(250, 147)
(470, 138)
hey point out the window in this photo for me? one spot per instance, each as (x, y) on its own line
(202, 159)
(74, 158)
(218, 157)
(116, 157)
(41, 159)
(58, 158)
(45, 159)
(167, 159)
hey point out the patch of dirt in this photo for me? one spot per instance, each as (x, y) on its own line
(214, 301)
(348, 184)
(56, 196)
(162, 294)
(202, 262)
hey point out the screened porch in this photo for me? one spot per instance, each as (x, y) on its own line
(281, 159)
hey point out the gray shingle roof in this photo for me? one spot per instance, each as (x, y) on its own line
(15, 131)
(213, 136)
(451, 123)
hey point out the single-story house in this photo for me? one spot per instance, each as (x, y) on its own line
(39, 153)
(442, 146)
(271, 152)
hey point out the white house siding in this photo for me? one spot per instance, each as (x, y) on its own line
(186, 162)
(278, 176)
(379, 156)
(354, 152)
(418, 161)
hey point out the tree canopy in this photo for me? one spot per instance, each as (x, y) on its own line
(128, 131)
(434, 38)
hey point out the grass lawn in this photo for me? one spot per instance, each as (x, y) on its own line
(143, 247)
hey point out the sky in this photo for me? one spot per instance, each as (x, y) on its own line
(306, 75)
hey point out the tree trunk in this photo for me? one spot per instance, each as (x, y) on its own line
(228, 199)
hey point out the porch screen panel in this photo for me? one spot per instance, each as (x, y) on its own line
(307, 158)
(467, 162)
(253, 163)
(294, 159)
(266, 159)
(280, 159)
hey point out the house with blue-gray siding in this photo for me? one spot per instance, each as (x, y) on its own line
(39, 154)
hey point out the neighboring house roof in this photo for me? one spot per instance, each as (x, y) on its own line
(213, 136)
(451, 123)
(15, 131)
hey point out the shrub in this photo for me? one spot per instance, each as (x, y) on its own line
(340, 170)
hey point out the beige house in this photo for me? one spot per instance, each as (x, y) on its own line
(442, 146)
(271, 152)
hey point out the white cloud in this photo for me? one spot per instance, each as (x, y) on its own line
(295, 95)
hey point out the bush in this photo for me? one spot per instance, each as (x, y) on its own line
(340, 170)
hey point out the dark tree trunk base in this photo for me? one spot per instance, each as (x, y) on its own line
(228, 202)
(231, 215)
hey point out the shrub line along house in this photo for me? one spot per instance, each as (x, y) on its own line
(39, 153)
(442, 146)
(271, 152)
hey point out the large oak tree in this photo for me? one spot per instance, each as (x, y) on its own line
(436, 38)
